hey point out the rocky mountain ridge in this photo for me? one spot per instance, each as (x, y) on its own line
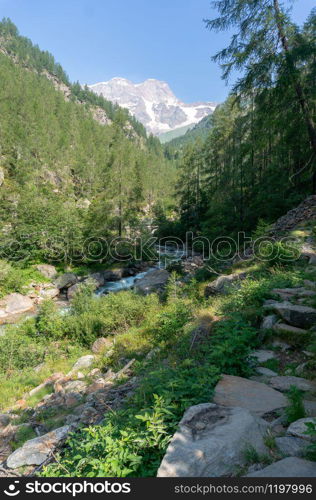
(153, 103)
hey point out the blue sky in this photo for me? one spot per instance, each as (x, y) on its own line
(135, 39)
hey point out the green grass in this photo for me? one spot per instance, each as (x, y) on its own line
(24, 433)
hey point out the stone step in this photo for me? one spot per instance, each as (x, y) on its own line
(284, 383)
(300, 316)
(288, 467)
(257, 397)
(284, 328)
(263, 355)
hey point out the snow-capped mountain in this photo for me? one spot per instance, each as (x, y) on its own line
(153, 103)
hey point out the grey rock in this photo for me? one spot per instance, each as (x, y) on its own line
(4, 419)
(284, 328)
(40, 387)
(298, 428)
(37, 450)
(75, 386)
(1, 176)
(284, 383)
(49, 293)
(300, 369)
(47, 270)
(310, 284)
(223, 283)
(66, 280)
(288, 467)
(15, 303)
(154, 281)
(211, 441)
(300, 316)
(83, 362)
(268, 322)
(266, 372)
(254, 396)
(72, 290)
(269, 304)
(291, 446)
(98, 278)
(100, 344)
(263, 355)
(281, 345)
(310, 408)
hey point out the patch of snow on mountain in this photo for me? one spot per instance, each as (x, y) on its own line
(153, 103)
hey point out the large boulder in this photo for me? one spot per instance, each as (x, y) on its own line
(288, 467)
(223, 283)
(113, 274)
(37, 450)
(254, 396)
(47, 270)
(15, 303)
(211, 442)
(300, 316)
(72, 290)
(154, 281)
(66, 281)
(98, 278)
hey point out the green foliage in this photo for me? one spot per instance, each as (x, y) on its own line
(56, 157)
(132, 442)
(24, 433)
(170, 321)
(253, 457)
(14, 277)
(19, 351)
(258, 159)
(311, 431)
(296, 409)
(278, 253)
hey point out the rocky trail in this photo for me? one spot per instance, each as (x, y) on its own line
(212, 437)
(243, 431)
(250, 414)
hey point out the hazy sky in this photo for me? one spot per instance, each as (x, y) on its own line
(136, 39)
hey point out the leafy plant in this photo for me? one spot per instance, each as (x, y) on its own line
(311, 431)
(296, 409)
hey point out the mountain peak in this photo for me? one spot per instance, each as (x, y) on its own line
(153, 103)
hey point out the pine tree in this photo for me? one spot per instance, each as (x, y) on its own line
(263, 43)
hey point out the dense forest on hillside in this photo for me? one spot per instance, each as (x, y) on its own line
(258, 159)
(65, 175)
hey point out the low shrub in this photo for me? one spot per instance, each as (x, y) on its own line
(296, 409)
